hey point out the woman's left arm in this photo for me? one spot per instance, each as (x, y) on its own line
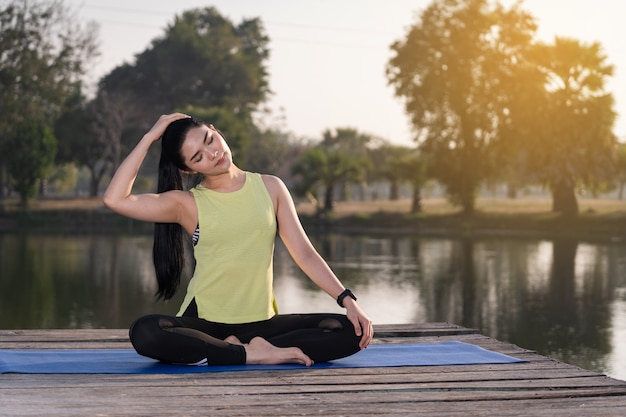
(309, 260)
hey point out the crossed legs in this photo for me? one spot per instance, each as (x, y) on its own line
(294, 338)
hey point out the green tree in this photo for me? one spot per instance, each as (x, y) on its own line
(413, 167)
(33, 149)
(448, 70)
(89, 135)
(202, 64)
(350, 141)
(385, 160)
(202, 60)
(339, 159)
(574, 142)
(328, 169)
(43, 55)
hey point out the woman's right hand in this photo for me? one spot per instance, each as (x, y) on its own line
(157, 130)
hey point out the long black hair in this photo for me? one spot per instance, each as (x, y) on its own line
(168, 250)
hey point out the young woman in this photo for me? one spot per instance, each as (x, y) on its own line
(229, 314)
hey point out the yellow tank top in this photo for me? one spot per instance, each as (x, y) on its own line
(233, 278)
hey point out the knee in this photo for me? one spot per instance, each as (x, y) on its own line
(144, 331)
(330, 324)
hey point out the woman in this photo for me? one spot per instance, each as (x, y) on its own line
(229, 315)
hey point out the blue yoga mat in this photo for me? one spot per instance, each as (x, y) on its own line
(127, 361)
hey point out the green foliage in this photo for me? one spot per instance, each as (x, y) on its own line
(448, 72)
(202, 60)
(396, 164)
(43, 55)
(574, 144)
(33, 147)
(487, 102)
(63, 177)
(413, 167)
(204, 65)
(74, 130)
(340, 158)
(87, 137)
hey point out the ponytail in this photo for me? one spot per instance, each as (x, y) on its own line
(168, 250)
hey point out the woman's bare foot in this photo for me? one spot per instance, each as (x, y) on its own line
(260, 351)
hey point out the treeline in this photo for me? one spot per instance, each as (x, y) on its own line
(488, 102)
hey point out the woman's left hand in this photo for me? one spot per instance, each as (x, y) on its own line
(362, 323)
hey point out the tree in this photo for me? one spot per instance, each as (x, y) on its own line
(203, 60)
(412, 166)
(90, 133)
(385, 160)
(204, 65)
(448, 70)
(33, 148)
(43, 55)
(574, 143)
(340, 158)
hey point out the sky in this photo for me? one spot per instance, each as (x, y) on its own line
(328, 57)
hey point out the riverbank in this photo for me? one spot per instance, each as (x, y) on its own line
(598, 219)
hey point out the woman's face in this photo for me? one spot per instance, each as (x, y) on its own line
(205, 151)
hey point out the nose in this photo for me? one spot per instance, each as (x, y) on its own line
(211, 151)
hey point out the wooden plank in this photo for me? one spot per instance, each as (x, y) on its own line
(337, 376)
(539, 387)
(241, 380)
(426, 329)
(352, 385)
(45, 336)
(63, 335)
(100, 400)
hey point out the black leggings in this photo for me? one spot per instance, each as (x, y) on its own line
(190, 340)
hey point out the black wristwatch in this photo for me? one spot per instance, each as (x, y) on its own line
(344, 294)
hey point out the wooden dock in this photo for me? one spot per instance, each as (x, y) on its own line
(539, 387)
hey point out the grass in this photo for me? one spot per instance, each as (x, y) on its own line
(598, 217)
(430, 206)
(499, 206)
(12, 205)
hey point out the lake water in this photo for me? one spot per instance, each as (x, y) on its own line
(565, 298)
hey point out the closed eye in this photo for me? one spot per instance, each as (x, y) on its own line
(197, 157)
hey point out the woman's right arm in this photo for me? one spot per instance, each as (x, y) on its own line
(161, 208)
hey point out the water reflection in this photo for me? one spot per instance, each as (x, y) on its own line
(563, 298)
(75, 282)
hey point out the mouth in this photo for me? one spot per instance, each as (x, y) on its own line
(221, 159)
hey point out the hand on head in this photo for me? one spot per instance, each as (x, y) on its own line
(159, 127)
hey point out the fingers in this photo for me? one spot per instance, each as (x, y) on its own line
(367, 333)
(161, 124)
(363, 328)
